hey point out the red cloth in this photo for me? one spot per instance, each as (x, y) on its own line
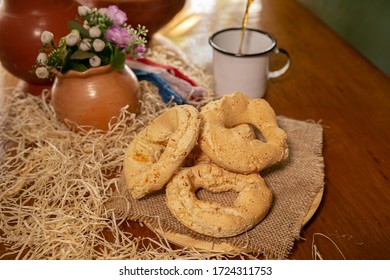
(172, 70)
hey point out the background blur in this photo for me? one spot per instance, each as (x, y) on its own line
(365, 24)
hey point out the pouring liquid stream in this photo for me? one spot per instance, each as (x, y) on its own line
(244, 23)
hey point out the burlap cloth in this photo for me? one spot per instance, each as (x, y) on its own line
(294, 183)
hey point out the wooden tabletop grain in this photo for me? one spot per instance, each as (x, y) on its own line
(328, 82)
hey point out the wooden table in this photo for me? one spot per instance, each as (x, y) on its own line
(328, 82)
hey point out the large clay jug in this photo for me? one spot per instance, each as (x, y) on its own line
(21, 25)
(93, 97)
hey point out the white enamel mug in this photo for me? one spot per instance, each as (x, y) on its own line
(246, 71)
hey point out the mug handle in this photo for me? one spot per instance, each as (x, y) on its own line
(281, 71)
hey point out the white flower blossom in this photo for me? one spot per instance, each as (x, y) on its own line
(85, 44)
(42, 58)
(102, 11)
(83, 10)
(46, 37)
(86, 25)
(95, 61)
(98, 45)
(42, 72)
(95, 32)
(72, 38)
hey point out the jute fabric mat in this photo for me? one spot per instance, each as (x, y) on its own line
(294, 183)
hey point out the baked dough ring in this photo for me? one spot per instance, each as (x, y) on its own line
(231, 151)
(253, 201)
(157, 151)
(245, 131)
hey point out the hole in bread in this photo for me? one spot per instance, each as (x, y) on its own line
(249, 132)
(258, 134)
(225, 198)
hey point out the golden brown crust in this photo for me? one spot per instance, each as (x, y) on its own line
(244, 131)
(253, 201)
(225, 147)
(158, 151)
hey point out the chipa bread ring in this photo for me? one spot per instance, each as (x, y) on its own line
(229, 149)
(251, 205)
(245, 131)
(157, 151)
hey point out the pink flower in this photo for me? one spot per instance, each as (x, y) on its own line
(117, 16)
(139, 50)
(119, 36)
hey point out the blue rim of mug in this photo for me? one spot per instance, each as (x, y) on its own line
(222, 50)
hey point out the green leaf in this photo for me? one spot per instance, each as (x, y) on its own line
(62, 50)
(118, 60)
(79, 54)
(75, 25)
(77, 66)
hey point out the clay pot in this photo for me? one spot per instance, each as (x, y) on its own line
(154, 14)
(21, 25)
(94, 96)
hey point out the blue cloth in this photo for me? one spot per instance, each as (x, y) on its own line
(165, 90)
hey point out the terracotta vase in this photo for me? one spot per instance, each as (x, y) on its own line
(93, 97)
(21, 25)
(154, 14)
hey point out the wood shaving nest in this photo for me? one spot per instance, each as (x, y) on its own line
(54, 182)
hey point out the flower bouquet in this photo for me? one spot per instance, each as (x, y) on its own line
(98, 37)
(92, 82)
